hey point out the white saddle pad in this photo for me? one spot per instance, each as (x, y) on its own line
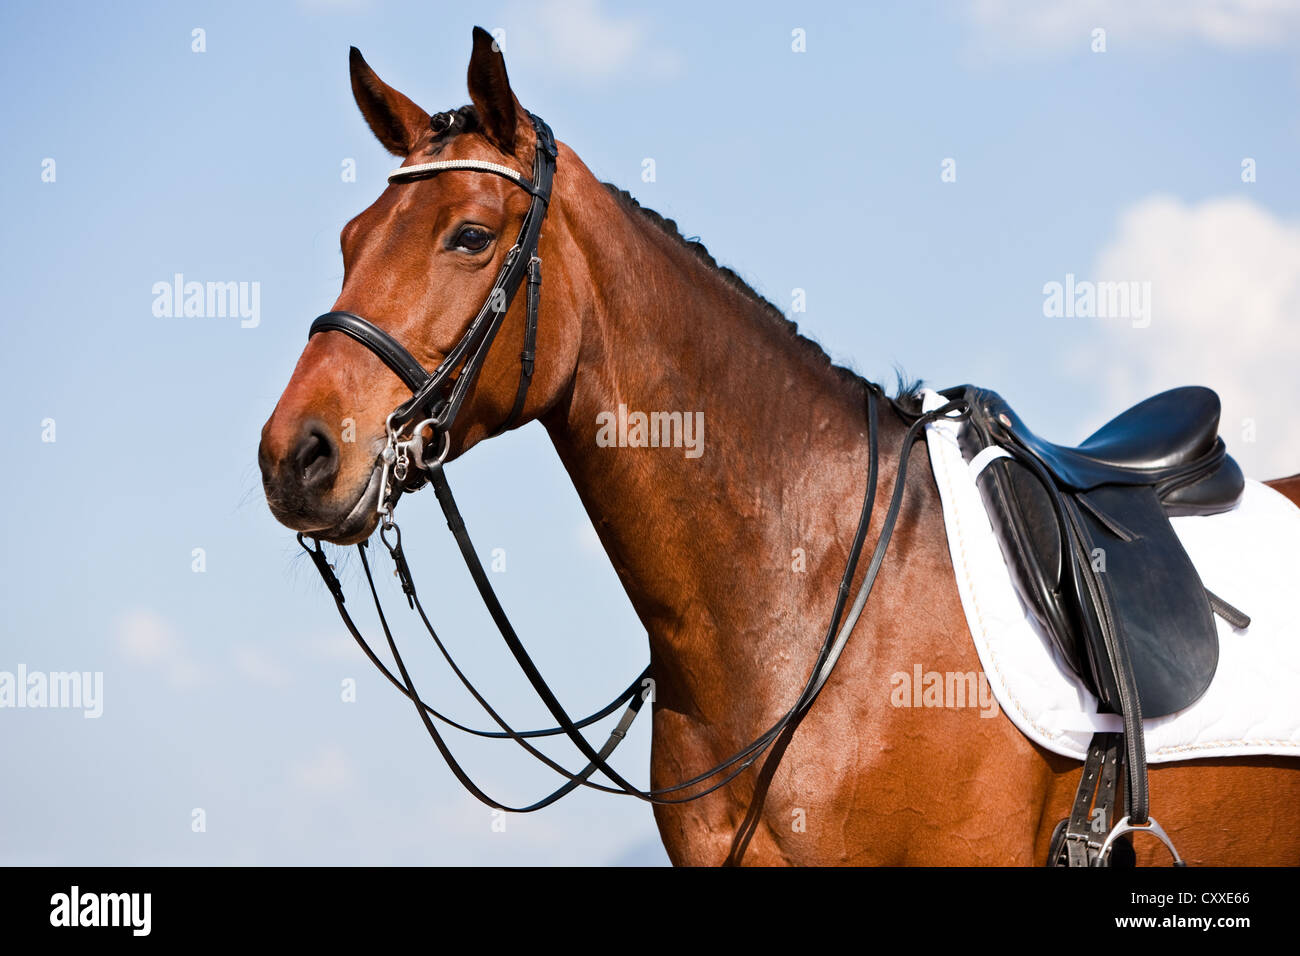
(1247, 556)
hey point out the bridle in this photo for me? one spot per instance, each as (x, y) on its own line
(409, 460)
(436, 397)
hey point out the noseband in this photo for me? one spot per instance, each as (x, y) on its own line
(433, 406)
(434, 402)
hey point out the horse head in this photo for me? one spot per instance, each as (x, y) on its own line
(422, 264)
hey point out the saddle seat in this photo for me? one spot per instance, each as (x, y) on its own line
(1086, 537)
(1156, 442)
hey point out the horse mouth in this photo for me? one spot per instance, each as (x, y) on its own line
(361, 519)
(359, 522)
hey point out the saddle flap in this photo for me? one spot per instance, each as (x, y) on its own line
(1148, 598)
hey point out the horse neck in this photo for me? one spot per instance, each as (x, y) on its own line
(706, 547)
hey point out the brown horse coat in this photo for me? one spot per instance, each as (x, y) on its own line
(731, 559)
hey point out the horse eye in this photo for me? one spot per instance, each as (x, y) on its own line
(472, 239)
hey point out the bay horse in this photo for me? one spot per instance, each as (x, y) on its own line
(730, 557)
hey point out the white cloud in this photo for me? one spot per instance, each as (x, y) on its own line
(326, 771)
(259, 666)
(582, 39)
(1225, 291)
(1049, 25)
(147, 638)
(332, 647)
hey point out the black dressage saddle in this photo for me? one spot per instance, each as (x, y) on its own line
(1086, 536)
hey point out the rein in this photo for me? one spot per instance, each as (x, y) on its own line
(408, 463)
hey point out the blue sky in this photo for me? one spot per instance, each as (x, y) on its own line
(818, 170)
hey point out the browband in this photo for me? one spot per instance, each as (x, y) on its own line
(410, 174)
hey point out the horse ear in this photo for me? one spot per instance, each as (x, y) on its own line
(489, 88)
(395, 120)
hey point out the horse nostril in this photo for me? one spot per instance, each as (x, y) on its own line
(316, 458)
(265, 463)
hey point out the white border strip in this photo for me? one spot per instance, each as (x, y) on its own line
(985, 458)
(401, 172)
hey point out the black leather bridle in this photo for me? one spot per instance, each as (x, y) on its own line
(437, 397)
(407, 464)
